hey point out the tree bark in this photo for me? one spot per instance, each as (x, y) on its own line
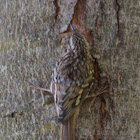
(30, 44)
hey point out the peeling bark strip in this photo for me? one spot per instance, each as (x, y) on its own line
(117, 14)
(96, 25)
(55, 2)
(103, 112)
(79, 19)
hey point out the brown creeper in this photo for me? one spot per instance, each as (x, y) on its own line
(72, 80)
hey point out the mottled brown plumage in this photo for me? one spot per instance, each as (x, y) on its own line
(72, 78)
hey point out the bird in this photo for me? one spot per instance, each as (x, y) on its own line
(72, 80)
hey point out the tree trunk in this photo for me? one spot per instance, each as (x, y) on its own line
(30, 44)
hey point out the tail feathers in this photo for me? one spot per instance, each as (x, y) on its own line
(67, 131)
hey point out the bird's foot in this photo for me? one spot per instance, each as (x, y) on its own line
(47, 96)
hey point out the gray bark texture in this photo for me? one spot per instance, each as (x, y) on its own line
(30, 44)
